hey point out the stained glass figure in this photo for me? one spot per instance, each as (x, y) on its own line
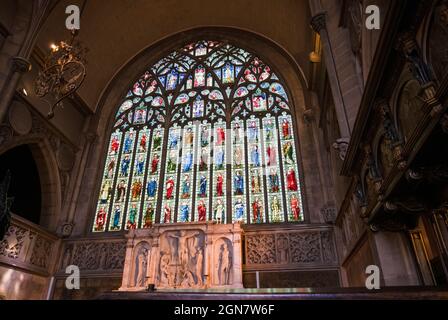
(199, 77)
(259, 102)
(171, 82)
(198, 108)
(227, 73)
(290, 170)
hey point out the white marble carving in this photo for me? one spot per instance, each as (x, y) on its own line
(181, 259)
(183, 256)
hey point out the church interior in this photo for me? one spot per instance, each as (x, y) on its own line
(195, 146)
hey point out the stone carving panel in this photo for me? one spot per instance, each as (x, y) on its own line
(181, 259)
(183, 256)
(95, 255)
(261, 249)
(305, 247)
(41, 252)
(27, 246)
(16, 243)
(294, 248)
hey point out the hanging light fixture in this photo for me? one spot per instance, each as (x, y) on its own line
(63, 72)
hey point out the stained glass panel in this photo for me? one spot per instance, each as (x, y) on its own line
(272, 170)
(186, 184)
(290, 170)
(203, 173)
(171, 174)
(255, 171)
(219, 173)
(238, 171)
(152, 178)
(122, 190)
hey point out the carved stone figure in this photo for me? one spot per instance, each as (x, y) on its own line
(166, 277)
(199, 266)
(224, 265)
(141, 267)
(67, 257)
(188, 256)
(182, 248)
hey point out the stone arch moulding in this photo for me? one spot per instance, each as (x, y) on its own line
(275, 56)
(49, 177)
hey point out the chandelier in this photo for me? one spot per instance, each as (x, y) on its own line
(63, 72)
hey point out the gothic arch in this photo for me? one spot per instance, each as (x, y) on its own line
(48, 174)
(269, 52)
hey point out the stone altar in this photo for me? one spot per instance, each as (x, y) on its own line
(185, 256)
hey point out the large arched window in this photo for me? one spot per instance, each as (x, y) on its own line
(205, 134)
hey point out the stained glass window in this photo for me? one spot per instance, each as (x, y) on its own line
(206, 134)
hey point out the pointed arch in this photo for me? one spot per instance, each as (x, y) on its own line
(297, 98)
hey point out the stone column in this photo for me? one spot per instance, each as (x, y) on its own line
(318, 23)
(75, 188)
(128, 262)
(310, 119)
(20, 65)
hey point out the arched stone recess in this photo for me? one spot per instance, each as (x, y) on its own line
(49, 176)
(140, 262)
(275, 56)
(223, 262)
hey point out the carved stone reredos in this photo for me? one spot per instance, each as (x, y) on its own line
(184, 256)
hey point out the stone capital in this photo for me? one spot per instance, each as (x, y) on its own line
(20, 64)
(318, 22)
(308, 115)
(341, 145)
